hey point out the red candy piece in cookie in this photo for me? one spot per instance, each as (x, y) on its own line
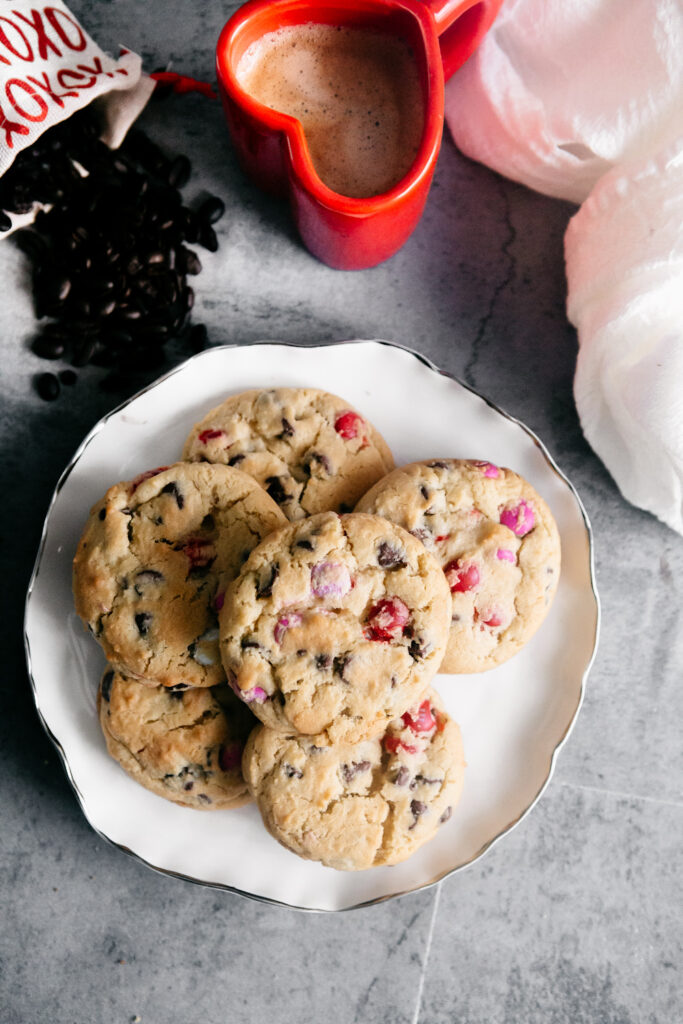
(349, 425)
(394, 744)
(462, 576)
(134, 484)
(492, 617)
(210, 435)
(387, 620)
(424, 721)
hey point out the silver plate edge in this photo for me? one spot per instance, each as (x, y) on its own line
(228, 888)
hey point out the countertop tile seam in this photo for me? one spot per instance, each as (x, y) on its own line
(620, 795)
(428, 946)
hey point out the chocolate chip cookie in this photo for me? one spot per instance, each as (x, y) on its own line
(355, 806)
(335, 625)
(185, 745)
(310, 450)
(154, 560)
(496, 541)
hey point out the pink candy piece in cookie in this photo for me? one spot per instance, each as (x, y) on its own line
(487, 468)
(330, 579)
(462, 576)
(284, 623)
(387, 620)
(505, 555)
(519, 518)
(255, 695)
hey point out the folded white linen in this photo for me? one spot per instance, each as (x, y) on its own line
(585, 98)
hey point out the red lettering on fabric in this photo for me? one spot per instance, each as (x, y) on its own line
(43, 41)
(16, 83)
(11, 128)
(4, 41)
(51, 15)
(45, 85)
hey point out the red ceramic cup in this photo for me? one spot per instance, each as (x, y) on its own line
(344, 232)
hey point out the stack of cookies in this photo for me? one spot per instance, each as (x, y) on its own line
(275, 607)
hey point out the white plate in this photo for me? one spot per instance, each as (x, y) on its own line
(514, 718)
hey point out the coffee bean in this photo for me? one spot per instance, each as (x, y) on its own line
(47, 347)
(47, 386)
(68, 378)
(5, 221)
(208, 238)
(189, 225)
(105, 308)
(179, 172)
(112, 250)
(190, 261)
(83, 352)
(211, 210)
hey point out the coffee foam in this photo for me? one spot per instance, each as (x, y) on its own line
(356, 93)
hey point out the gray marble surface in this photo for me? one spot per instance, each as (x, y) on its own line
(576, 916)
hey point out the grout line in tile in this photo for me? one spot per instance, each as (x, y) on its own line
(621, 795)
(428, 946)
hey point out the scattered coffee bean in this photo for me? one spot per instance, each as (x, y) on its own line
(47, 386)
(211, 210)
(208, 238)
(179, 172)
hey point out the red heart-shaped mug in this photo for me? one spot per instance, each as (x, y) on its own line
(344, 231)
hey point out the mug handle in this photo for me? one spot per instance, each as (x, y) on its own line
(461, 25)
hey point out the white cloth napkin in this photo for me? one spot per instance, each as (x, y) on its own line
(583, 99)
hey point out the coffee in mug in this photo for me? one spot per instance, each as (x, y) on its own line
(356, 92)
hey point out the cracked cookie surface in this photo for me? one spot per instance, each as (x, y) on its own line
(310, 450)
(496, 541)
(360, 805)
(184, 745)
(335, 625)
(154, 560)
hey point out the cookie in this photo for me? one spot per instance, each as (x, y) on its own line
(356, 806)
(153, 563)
(335, 625)
(498, 545)
(310, 450)
(184, 745)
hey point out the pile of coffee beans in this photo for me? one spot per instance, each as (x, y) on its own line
(110, 259)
